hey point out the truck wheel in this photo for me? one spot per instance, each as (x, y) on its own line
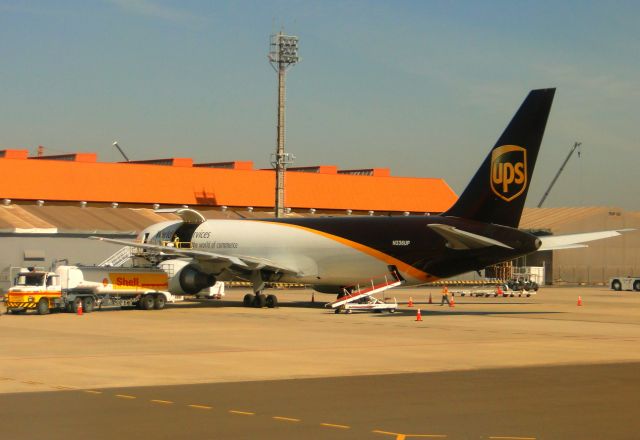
(248, 299)
(636, 286)
(43, 306)
(147, 302)
(159, 301)
(272, 301)
(87, 304)
(75, 305)
(616, 285)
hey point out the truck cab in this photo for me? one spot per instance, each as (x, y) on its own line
(34, 290)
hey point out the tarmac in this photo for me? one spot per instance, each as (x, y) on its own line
(500, 368)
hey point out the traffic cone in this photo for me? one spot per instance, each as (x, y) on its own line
(452, 302)
(418, 316)
(430, 299)
(410, 303)
(579, 300)
(80, 308)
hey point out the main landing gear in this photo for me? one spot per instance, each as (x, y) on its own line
(260, 300)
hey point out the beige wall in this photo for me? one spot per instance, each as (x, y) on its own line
(603, 258)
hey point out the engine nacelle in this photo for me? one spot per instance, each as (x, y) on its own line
(185, 278)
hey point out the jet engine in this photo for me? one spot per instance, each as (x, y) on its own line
(185, 278)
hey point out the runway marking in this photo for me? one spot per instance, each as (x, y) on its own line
(163, 402)
(286, 419)
(92, 391)
(331, 425)
(125, 396)
(200, 406)
(242, 413)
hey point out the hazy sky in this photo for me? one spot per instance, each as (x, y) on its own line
(422, 87)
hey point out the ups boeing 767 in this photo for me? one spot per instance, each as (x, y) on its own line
(329, 253)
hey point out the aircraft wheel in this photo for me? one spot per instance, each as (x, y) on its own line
(159, 301)
(259, 301)
(248, 299)
(272, 301)
(43, 306)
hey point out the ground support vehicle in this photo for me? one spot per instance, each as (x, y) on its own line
(625, 283)
(361, 298)
(503, 291)
(70, 287)
(370, 304)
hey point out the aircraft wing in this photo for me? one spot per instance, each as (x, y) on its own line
(458, 239)
(238, 262)
(571, 241)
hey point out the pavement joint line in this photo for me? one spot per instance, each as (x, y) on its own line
(286, 419)
(427, 435)
(511, 438)
(200, 406)
(92, 391)
(125, 396)
(242, 413)
(332, 425)
(163, 402)
(377, 431)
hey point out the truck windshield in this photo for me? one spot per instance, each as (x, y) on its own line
(30, 279)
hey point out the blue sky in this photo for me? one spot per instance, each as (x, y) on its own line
(422, 87)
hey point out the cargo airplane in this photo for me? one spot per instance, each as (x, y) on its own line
(329, 253)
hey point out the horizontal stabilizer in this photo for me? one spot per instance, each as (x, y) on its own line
(570, 241)
(461, 240)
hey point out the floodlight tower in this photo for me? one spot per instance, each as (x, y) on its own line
(283, 53)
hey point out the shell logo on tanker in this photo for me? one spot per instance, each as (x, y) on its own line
(144, 281)
(508, 171)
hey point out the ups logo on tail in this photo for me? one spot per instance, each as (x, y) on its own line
(508, 171)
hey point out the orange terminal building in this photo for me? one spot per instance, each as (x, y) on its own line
(80, 178)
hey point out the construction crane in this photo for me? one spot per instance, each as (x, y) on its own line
(546, 193)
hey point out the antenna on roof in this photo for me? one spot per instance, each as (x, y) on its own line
(115, 144)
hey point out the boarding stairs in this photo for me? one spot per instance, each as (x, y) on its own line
(358, 292)
(119, 258)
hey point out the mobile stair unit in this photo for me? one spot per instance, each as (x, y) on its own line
(361, 297)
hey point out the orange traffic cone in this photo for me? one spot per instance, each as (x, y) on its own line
(80, 308)
(452, 302)
(410, 303)
(430, 300)
(418, 316)
(579, 300)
